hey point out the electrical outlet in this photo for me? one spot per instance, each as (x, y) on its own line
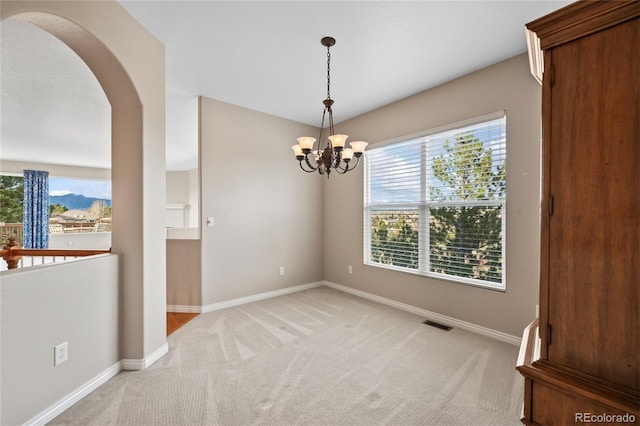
(60, 353)
(282, 270)
(350, 269)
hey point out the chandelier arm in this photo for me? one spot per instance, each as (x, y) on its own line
(355, 165)
(342, 171)
(305, 170)
(348, 166)
(306, 160)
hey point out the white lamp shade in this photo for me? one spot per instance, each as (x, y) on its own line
(306, 142)
(297, 149)
(358, 146)
(338, 141)
(347, 154)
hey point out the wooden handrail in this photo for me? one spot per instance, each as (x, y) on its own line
(12, 253)
(57, 252)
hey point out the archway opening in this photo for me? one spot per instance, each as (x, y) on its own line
(55, 118)
(129, 80)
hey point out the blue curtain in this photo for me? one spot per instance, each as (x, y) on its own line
(35, 216)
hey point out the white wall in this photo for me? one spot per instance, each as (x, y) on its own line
(84, 240)
(55, 170)
(183, 187)
(43, 306)
(504, 86)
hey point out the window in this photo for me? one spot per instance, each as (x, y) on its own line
(75, 204)
(435, 204)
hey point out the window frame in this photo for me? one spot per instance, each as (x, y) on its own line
(424, 205)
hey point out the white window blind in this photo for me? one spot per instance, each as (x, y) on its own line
(435, 204)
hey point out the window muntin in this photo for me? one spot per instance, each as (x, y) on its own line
(435, 204)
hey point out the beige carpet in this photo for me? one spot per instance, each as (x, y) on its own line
(318, 357)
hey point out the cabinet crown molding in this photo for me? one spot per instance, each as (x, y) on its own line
(571, 22)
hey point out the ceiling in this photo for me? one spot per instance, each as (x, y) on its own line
(262, 55)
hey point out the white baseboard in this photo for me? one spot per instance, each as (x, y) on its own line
(75, 396)
(84, 390)
(240, 301)
(141, 364)
(130, 364)
(259, 296)
(444, 319)
(184, 309)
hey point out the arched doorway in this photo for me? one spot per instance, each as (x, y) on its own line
(129, 64)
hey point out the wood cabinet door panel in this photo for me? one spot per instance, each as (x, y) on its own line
(594, 230)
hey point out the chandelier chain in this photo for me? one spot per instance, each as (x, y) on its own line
(328, 73)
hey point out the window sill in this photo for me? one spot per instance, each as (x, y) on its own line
(441, 277)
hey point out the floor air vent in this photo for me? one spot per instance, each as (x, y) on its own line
(438, 325)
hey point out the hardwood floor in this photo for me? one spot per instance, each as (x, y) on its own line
(175, 320)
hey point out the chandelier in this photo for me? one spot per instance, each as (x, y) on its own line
(334, 155)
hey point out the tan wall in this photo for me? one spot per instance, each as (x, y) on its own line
(184, 285)
(504, 86)
(268, 213)
(183, 187)
(194, 198)
(178, 187)
(43, 306)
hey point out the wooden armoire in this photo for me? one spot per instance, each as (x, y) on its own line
(581, 357)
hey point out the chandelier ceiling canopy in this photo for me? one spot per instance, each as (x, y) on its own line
(334, 155)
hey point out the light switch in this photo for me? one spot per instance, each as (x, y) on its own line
(210, 221)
